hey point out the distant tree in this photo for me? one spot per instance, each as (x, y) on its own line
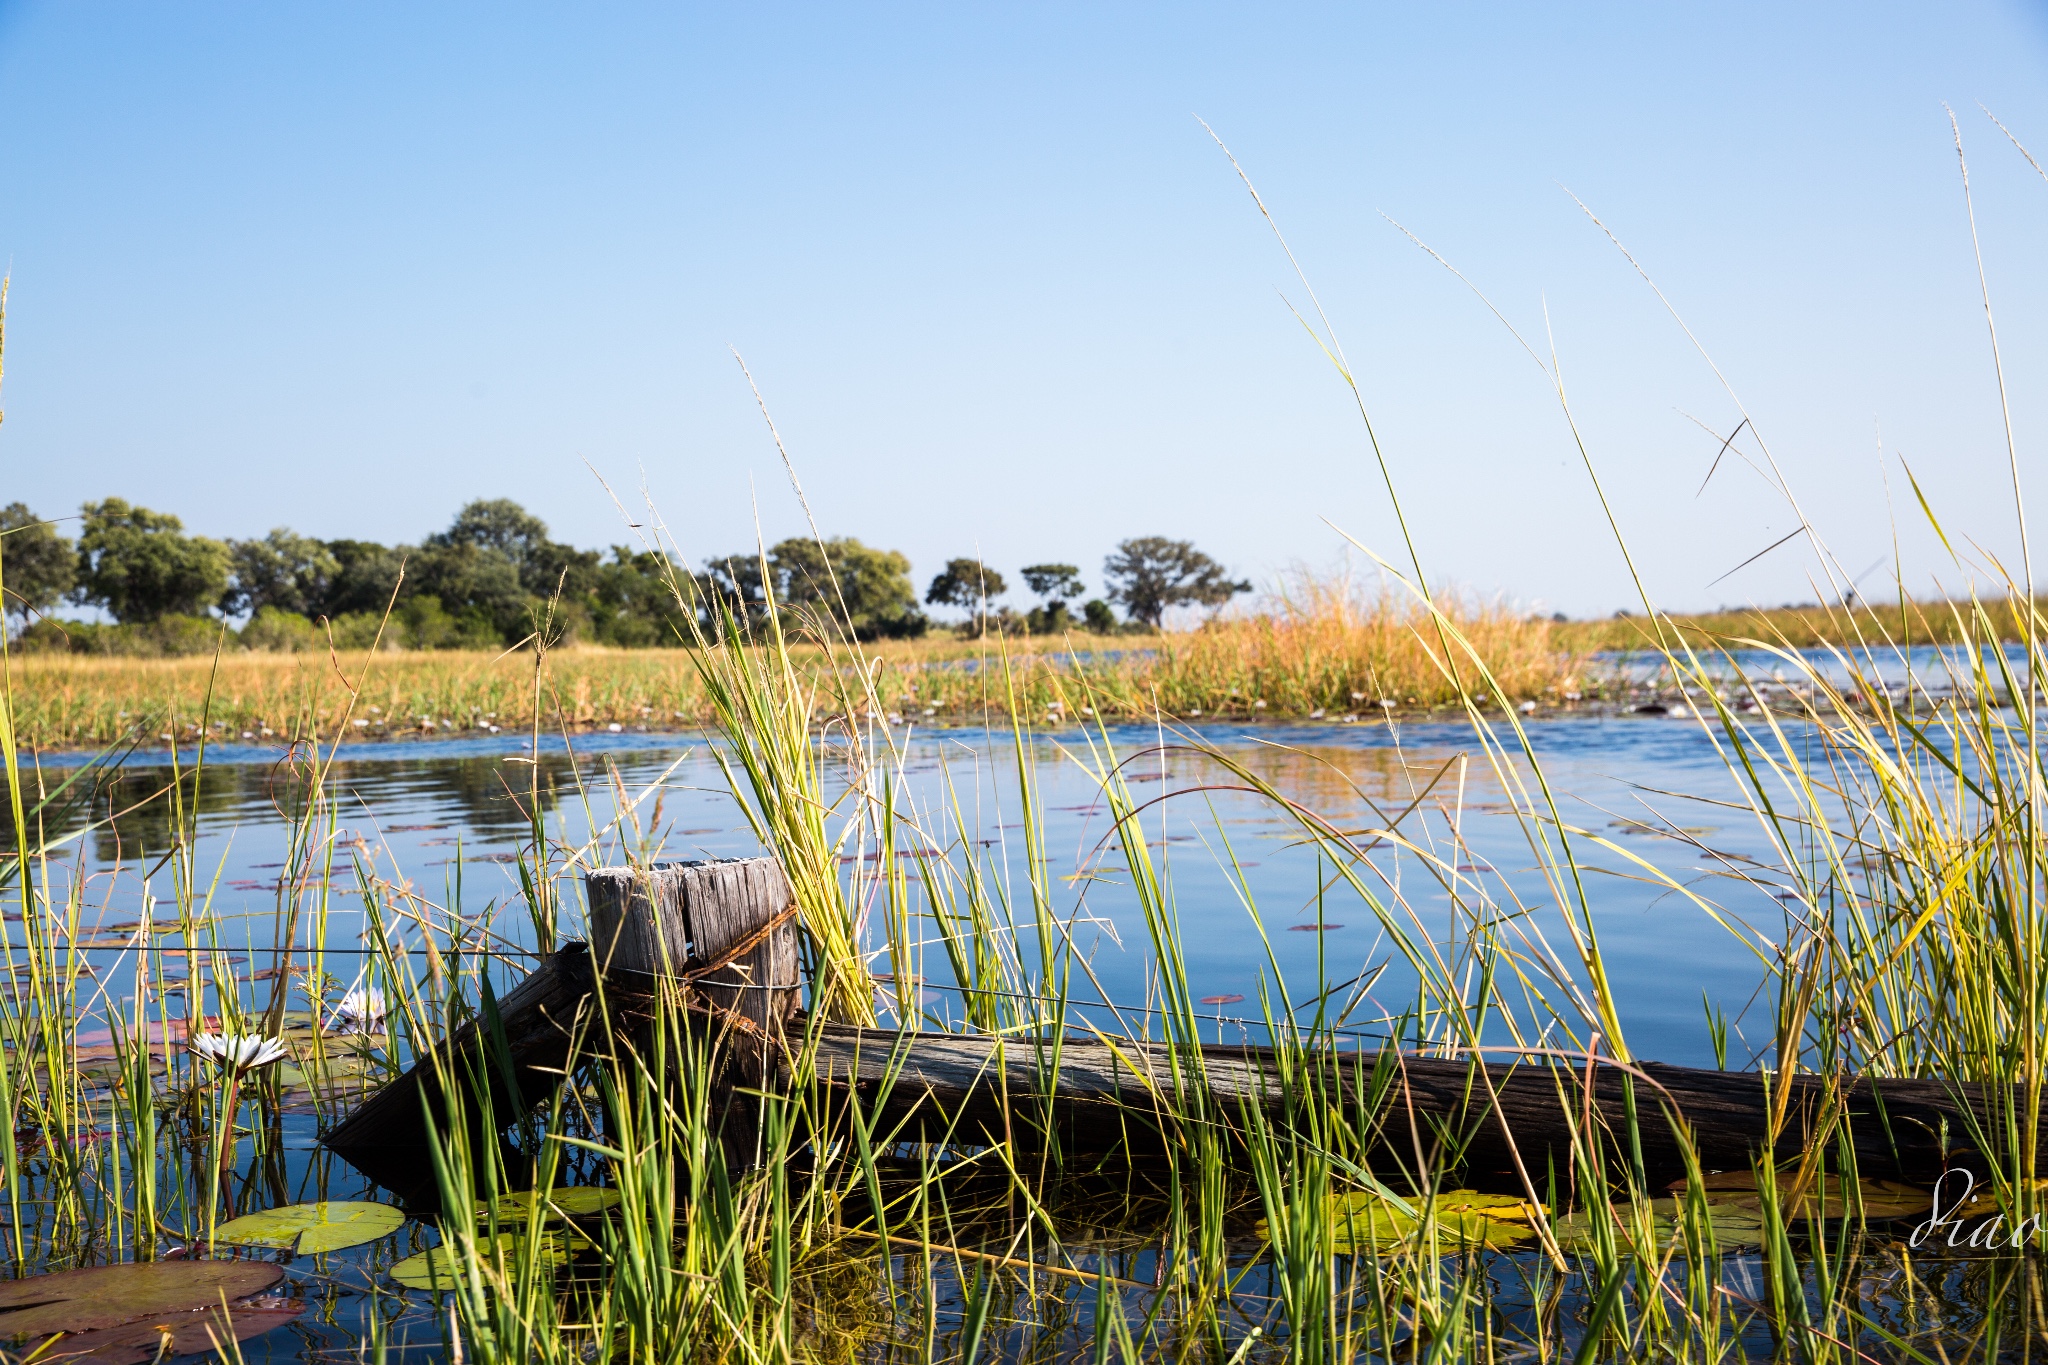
(1148, 574)
(37, 566)
(966, 583)
(1098, 616)
(365, 576)
(495, 524)
(873, 598)
(1054, 582)
(865, 591)
(634, 601)
(284, 570)
(477, 584)
(734, 583)
(551, 566)
(141, 566)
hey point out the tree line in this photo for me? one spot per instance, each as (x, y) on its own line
(495, 578)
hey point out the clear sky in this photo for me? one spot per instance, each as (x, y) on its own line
(343, 267)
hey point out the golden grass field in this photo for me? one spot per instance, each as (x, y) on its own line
(1323, 648)
(1335, 652)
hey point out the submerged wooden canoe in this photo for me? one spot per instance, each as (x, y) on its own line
(720, 933)
(1093, 1096)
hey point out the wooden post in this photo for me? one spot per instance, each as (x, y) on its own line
(724, 929)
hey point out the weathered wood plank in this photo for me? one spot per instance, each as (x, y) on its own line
(1098, 1097)
(722, 924)
(719, 935)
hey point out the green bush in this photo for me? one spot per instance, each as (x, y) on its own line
(280, 632)
(165, 637)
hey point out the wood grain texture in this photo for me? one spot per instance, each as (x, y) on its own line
(672, 919)
(1091, 1096)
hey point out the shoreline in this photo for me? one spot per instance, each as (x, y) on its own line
(451, 743)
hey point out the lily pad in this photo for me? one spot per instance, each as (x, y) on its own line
(172, 1334)
(108, 1296)
(312, 1228)
(1463, 1219)
(572, 1201)
(1824, 1197)
(1736, 1223)
(436, 1268)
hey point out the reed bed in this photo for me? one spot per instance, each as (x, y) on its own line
(1319, 646)
(1324, 645)
(819, 1232)
(1902, 621)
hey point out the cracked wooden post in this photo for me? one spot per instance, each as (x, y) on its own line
(723, 930)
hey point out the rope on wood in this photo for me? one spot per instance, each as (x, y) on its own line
(675, 986)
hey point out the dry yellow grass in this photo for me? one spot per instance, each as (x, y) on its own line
(1324, 644)
(1916, 623)
(1323, 647)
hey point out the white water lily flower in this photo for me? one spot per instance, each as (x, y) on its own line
(360, 1009)
(239, 1052)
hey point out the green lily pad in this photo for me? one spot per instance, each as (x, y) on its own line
(312, 1228)
(1825, 1196)
(109, 1296)
(436, 1268)
(1463, 1219)
(1736, 1223)
(572, 1201)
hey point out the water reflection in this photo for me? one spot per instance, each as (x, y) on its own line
(448, 820)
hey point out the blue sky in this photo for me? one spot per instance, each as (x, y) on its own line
(344, 267)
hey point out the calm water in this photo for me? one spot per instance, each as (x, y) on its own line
(449, 817)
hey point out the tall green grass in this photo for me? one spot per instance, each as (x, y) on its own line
(810, 1222)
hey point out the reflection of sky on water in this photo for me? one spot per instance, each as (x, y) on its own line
(415, 805)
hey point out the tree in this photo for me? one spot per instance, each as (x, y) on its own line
(1099, 617)
(1148, 574)
(551, 566)
(735, 583)
(37, 566)
(634, 601)
(966, 583)
(866, 591)
(363, 580)
(284, 570)
(873, 599)
(140, 565)
(476, 583)
(495, 524)
(1054, 582)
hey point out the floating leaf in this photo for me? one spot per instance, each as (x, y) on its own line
(1461, 1219)
(109, 1296)
(1736, 1223)
(312, 1228)
(436, 1268)
(161, 1336)
(1504, 1208)
(1824, 1196)
(574, 1201)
